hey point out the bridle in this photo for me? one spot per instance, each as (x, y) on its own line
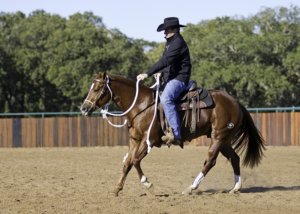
(101, 94)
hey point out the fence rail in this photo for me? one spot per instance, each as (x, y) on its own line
(278, 127)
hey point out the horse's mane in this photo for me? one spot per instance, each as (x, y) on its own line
(129, 82)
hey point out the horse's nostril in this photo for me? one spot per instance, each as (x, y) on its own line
(83, 109)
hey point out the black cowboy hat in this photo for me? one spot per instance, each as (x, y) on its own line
(168, 23)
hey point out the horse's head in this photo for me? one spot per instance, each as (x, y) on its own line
(99, 94)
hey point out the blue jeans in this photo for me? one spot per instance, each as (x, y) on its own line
(170, 93)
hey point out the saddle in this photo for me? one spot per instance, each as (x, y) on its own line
(189, 103)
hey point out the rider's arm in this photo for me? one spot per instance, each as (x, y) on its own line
(171, 54)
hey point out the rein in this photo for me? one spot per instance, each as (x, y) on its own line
(155, 110)
(105, 112)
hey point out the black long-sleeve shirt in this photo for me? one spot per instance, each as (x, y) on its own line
(175, 62)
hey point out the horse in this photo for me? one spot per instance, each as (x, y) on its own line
(227, 123)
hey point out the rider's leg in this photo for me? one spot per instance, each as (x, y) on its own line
(171, 92)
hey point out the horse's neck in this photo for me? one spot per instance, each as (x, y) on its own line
(124, 91)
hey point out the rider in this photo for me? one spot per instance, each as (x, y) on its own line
(175, 66)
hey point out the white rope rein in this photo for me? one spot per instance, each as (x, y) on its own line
(105, 112)
(112, 124)
(155, 111)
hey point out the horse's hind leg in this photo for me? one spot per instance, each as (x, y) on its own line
(208, 164)
(231, 155)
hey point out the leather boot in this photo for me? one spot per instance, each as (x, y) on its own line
(178, 142)
(169, 139)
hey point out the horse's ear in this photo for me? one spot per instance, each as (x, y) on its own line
(101, 75)
(104, 74)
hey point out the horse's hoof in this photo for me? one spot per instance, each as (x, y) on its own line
(187, 191)
(234, 191)
(150, 189)
(116, 192)
(237, 188)
(147, 184)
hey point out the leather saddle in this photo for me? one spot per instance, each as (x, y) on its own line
(194, 95)
(190, 103)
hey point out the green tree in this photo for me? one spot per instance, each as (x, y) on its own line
(76, 55)
(11, 77)
(251, 58)
(48, 61)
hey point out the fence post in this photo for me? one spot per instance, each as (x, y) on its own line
(42, 137)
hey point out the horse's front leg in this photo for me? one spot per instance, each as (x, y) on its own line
(139, 155)
(128, 163)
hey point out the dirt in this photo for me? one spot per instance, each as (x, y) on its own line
(82, 180)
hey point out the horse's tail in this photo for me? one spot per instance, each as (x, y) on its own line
(248, 138)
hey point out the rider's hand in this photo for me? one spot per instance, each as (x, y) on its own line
(157, 75)
(142, 76)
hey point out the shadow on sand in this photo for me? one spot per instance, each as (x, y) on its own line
(251, 190)
(244, 190)
(270, 189)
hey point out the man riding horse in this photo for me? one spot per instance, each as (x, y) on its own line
(175, 66)
(227, 123)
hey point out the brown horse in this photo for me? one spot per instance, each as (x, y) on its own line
(228, 124)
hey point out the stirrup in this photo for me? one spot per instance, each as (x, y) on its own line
(168, 138)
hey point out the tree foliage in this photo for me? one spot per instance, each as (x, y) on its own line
(255, 59)
(47, 62)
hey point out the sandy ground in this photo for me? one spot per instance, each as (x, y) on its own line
(81, 180)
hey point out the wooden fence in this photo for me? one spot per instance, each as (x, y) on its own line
(278, 129)
(60, 132)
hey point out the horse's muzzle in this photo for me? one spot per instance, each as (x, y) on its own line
(86, 109)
